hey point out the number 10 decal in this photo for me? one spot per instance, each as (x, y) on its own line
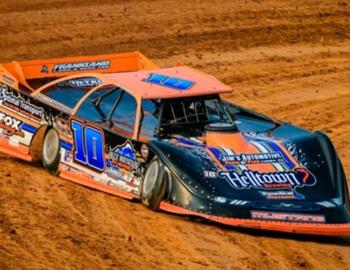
(88, 142)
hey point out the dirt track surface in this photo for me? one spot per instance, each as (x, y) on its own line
(290, 59)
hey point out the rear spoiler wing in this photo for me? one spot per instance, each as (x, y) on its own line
(22, 72)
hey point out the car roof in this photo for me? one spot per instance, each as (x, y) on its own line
(175, 82)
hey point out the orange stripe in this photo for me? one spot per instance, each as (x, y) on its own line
(297, 165)
(65, 138)
(239, 145)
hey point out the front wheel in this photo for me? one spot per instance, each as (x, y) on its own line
(51, 151)
(153, 185)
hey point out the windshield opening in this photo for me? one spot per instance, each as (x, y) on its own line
(185, 115)
(188, 111)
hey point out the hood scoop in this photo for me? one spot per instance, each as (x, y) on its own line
(221, 127)
(227, 135)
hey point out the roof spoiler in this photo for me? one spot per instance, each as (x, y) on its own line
(60, 67)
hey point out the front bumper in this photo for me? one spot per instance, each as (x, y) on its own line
(326, 229)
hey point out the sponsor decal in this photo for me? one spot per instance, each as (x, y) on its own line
(170, 82)
(10, 125)
(129, 183)
(53, 103)
(326, 204)
(117, 177)
(290, 217)
(282, 195)
(67, 148)
(209, 174)
(62, 125)
(44, 69)
(220, 199)
(247, 179)
(114, 172)
(80, 83)
(252, 158)
(229, 159)
(238, 202)
(67, 156)
(80, 66)
(124, 156)
(9, 99)
(8, 79)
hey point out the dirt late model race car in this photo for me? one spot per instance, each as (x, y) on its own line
(120, 124)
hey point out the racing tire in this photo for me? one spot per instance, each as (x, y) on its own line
(153, 185)
(51, 151)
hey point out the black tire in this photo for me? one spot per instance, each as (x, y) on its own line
(153, 184)
(51, 151)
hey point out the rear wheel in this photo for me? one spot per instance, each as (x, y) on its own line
(153, 185)
(51, 151)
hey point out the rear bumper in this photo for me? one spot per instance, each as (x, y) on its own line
(341, 229)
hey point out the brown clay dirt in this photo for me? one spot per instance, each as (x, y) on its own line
(290, 59)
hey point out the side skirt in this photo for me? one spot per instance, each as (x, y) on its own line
(20, 151)
(87, 181)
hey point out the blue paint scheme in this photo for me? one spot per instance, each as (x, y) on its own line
(171, 82)
(66, 145)
(274, 146)
(188, 142)
(298, 196)
(94, 148)
(88, 143)
(79, 149)
(215, 152)
(28, 128)
(285, 157)
(126, 151)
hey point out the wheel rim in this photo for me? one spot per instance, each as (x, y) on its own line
(51, 146)
(150, 177)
